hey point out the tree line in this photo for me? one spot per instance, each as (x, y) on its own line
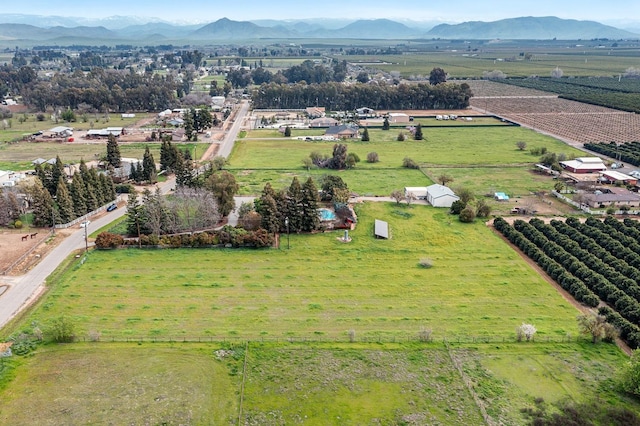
(55, 199)
(338, 97)
(100, 89)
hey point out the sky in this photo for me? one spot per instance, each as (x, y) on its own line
(198, 11)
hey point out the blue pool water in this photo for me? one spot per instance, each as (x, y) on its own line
(326, 214)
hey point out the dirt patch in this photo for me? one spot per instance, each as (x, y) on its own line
(14, 245)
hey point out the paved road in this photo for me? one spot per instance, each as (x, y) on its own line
(227, 143)
(26, 288)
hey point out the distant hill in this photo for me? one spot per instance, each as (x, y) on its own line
(532, 28)
(226, 29)
(32, 29)
(375, 29)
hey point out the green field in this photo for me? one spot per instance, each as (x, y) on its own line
(328, 384)
(474, 157)
(320, 287)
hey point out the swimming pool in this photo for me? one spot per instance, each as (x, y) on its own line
(326, 214)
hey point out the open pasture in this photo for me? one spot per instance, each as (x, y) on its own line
(258, 160)
(320, 287)
(341, 384)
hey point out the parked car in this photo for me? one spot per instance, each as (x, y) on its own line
(85, 224)
(112, 207)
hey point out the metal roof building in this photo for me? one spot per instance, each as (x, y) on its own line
(381, 229)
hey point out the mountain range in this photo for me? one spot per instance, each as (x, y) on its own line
(21, 29)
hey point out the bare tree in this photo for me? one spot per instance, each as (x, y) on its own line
(522, 145)
(444, 179)
(397, 195)
(592, 325)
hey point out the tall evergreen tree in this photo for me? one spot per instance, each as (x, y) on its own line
(65, 203)
(269, 214)
(184, 171)
(93, 185)
(107, 188)
(57, 172)
(78, 193)
(385, 124)
(418, 134)
(113, 151)
(267, 207)
(42, 205)
(365, 135)
(310, 218)
(148, 167)
(294, 210)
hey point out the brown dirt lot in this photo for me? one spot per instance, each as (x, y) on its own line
(13, 247)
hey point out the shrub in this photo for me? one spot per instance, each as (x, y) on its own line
(401, 137)
(62, 330)
(409, 163)
(372, 157)
(17, 224)
(426, 263)
(467, 215)
(40, 116)
(107, 240)
(126, 188)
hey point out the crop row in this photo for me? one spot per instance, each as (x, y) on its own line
(592, 94)
(565, 119)
(582, 273)
(628, 152)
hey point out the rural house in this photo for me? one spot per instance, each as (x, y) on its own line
(343, 131)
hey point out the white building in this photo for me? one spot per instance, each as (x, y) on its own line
(441, 196)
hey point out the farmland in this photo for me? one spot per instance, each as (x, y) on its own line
(276, 294)
(569, 120)
(628, 152)
(592, 260)
(257, 160)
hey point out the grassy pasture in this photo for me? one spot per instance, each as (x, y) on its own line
(321, 287)
(341, 384)
(121, 384)
(479, 153)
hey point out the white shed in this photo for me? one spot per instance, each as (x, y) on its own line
(441, 196)
(418, 192)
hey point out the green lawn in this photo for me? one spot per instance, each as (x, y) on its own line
(320, 287)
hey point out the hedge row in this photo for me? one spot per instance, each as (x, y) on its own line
(227, 236)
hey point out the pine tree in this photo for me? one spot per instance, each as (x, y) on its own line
(107, 188)
(365, 135)
(93, 185)
(113, 152)
(184, 171)
(270, 219)
(294, 209)
(385, 124)
(148, 167)
(134, 210)
(78, 193)
(287, 132)
(418, 134)
(42, 205)
(310, 218)
(57, 172)
(65, 203)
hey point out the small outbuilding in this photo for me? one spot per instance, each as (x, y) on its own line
(398, 117)
(441, 196)
(381, 229)
(416, 192)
